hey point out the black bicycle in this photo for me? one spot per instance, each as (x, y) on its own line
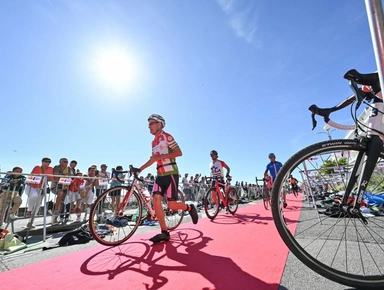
(344, 240)
(265, 193)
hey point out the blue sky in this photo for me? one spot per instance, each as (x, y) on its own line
(231, 75)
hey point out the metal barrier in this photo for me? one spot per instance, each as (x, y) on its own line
(43, 198)
(55, 199)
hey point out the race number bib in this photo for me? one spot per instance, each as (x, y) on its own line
(34, 179)
(65, 181)
(103, 181)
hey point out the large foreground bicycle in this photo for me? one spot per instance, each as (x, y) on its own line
(342, 237)
(113, 223)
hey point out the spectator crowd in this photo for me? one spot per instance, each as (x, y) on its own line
(75, 191)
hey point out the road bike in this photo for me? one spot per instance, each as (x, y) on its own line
(265, 193)
(112, 225)
(343, 241)
(220, 196)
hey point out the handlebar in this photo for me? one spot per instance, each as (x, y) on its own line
(132, 171)
(229, 178)
(354, 78)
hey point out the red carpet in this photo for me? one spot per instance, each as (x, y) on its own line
(233, 252)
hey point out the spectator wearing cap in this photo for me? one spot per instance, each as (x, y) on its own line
(103, 173)
(11, 189)
(35, 191)
(72, 167)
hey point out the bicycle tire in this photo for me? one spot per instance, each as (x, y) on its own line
(232, 200)
(173, 218)
(210, 206)
(106, 227)
(320, 243)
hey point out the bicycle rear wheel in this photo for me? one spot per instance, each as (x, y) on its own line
(295, 192)
(109, 228)
(232, 200)
(266, 197)
(211, 203)
(173, 218)
(335, 244)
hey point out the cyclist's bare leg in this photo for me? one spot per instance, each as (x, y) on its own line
(159, 211)
(174, 205)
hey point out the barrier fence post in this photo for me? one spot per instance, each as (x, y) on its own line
(45, 209)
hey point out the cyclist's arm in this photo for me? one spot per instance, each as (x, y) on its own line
(176, 152)
(226, 167)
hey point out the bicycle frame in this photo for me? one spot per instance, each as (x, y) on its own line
(366, 161)
(265, 183)
(216, 185)
(140, 190)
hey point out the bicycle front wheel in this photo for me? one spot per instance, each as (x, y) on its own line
(173, 218)
(232, 200)
(211, 203)
(107, 226)
(335, 244)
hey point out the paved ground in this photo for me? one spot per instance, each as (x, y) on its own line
(295, 276)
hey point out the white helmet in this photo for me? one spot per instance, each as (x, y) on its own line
(157, 118)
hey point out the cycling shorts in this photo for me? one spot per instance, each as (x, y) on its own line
(167, 185)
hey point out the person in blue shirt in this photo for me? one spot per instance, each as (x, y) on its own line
(274, 167)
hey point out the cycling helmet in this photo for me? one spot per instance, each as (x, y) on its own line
(157, 118)
(214, 152)
(271, 155)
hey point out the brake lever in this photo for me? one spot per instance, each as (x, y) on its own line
(313, 109)
(314, 122)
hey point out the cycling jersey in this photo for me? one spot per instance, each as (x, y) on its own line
(273, 168)
(164, 144)
(217, 168)
(293, 181)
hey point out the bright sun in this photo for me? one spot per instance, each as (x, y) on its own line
(115, 67)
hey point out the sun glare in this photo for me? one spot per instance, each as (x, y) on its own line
(115, 67)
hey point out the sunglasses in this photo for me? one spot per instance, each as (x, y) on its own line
(49, 161)
(151, 123)
(64, 161)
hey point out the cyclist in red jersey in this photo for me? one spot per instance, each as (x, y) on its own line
(217, 171)
(164, 153)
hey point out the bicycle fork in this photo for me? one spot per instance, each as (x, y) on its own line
(369, 160)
